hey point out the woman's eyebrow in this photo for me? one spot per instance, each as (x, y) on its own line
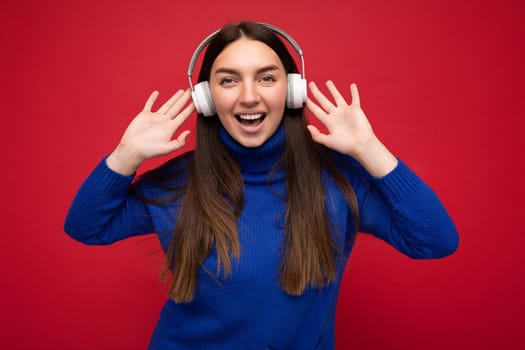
(270, 67)
(267, 68)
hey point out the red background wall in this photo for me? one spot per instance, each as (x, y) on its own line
(441, 81)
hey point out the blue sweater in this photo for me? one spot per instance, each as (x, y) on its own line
(248, 309)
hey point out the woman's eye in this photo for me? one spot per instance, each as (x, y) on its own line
(268, 79)
(226, 81)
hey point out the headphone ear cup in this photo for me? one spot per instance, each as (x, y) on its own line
(296, 93)
(202, 100)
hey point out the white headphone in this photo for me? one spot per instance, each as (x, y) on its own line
(295, 93)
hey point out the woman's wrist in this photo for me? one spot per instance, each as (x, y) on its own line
(123, 162)
(376, 158)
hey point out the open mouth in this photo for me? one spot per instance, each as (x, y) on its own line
(250, 119)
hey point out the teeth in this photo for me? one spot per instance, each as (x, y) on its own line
(250, 116)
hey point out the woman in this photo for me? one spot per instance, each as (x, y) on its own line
(259, 220)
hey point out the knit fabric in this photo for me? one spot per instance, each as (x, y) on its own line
(249, 309)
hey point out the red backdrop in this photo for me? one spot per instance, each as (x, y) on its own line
(441, 81)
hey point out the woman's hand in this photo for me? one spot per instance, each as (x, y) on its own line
(349, 130)
(150, 134)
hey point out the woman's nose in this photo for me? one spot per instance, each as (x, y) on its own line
(249, 94)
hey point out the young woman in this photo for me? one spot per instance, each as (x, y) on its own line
(259, 220)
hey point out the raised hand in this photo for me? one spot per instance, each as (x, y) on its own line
(150, 134)
(349, 130)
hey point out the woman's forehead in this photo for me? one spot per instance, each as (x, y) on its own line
(246, 53)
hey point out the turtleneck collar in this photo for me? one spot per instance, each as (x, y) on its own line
(256, 159)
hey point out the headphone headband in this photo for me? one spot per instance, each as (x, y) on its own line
(210, 37)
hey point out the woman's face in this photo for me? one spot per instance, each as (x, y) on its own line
(248, 85)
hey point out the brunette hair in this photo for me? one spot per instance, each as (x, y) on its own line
(211, 199)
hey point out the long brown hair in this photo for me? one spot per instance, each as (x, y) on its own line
(211, 199)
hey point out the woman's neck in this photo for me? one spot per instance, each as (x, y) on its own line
(256, 159)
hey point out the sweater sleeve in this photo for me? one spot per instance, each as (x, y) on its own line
(402, 210)
(103, 211)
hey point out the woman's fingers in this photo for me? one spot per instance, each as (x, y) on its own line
(178, 104)
(327, 105)
(167, 105)
(316, 110)
(318, 136)
(355, 95)
(180, 141)
(338, 98)
(172, 106)
(151, 100)
(180, 118)
(321, 98)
